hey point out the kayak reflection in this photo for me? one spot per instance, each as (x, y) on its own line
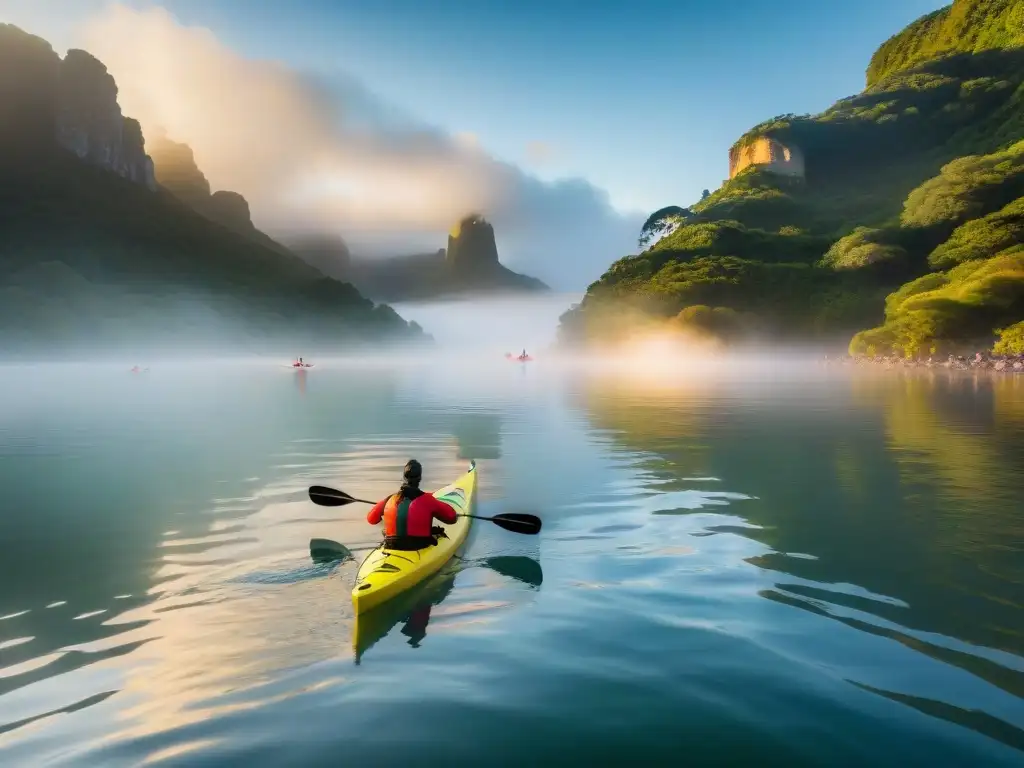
(524, 569)
(412, 609)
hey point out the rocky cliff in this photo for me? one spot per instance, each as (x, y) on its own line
(767, 153)
(70, 103)
(90, 124)
(178, 173)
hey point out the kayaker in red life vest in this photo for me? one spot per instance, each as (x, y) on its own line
(408, 515)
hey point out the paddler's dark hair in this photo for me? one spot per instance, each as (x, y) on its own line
(411, 476)
(413, 472)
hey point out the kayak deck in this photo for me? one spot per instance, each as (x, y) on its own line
(389, 572)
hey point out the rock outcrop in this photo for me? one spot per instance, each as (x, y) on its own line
(232, 209)
(769, 154)
(178, 173)
(48, 102)
(471, 245)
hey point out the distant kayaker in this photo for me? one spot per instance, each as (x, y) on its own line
(408, 515)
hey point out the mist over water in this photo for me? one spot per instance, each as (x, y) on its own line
(732, 545)
(497, 324)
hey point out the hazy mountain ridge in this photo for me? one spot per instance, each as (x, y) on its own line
(468, 266)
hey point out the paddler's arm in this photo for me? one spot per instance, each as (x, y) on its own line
(442, 511)
(376, 513)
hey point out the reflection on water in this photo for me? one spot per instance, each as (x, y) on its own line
(413, 608)
(810, 568)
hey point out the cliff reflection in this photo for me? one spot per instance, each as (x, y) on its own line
(907, 487)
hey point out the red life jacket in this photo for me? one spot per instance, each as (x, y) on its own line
(408, 517)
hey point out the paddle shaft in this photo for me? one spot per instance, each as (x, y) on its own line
(514, 522)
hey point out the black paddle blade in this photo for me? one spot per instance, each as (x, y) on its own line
(517, 522)
(329, 497)
(323, 550)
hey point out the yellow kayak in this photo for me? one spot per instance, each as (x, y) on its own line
(389, 572)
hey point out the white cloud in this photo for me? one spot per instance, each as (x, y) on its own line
(312, 155)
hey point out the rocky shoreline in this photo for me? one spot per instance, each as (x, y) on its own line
(979, 362)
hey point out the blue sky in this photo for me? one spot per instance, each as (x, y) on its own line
(641, 99)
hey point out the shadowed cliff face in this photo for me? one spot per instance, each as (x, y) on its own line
(327, 253)
(46, 102)
(90, 124)
(28, 88)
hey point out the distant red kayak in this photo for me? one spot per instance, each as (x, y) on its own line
(303, 365)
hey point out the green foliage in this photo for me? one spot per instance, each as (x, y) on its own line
(788, 299)
(967, 26)
(861, 248)
(1011, 340)
(978, 238)
(734, 239)
(967, 187)
(759, 199)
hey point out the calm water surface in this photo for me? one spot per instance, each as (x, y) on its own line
(771, 567)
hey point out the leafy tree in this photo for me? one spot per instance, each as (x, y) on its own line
(978, 238)
(966, 188)
(662, 222)
(721, 323)
(861, 248)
